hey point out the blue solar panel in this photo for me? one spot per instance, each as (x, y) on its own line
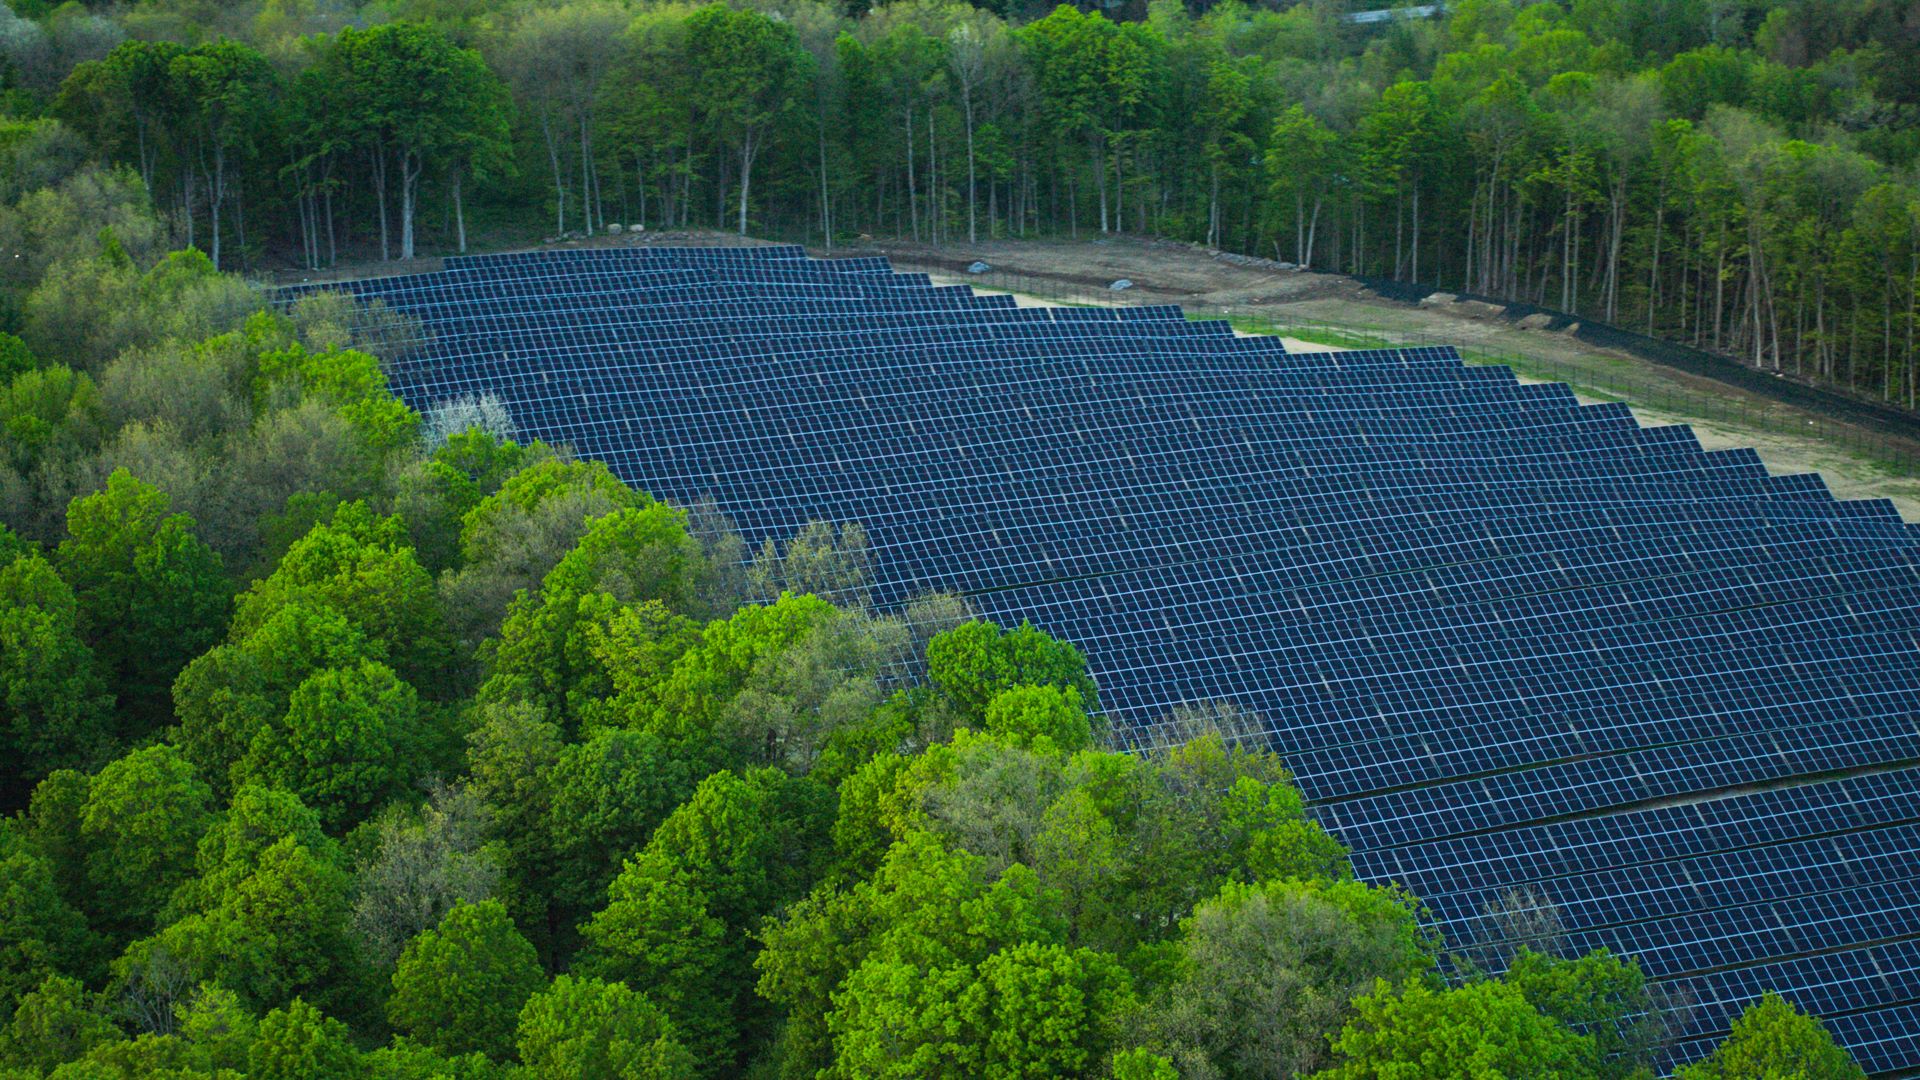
(1506, 641)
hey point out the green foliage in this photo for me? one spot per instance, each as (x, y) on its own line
(1484, 1029)
(141, 825)
(57, 1022)
(15, 358)
(1602, 995)
(976, 661)
(1139, 1064)
(585, 1027)
(1774, 1039)
(459, 988)
(362, 566)
(434, 495)
(424, 862)
(275, 934)
(255, 819)
(678, 917)
(545, 653)
(90, 308)
(608, 794)
(58, 710)
(298, 1041)
(513, 537)
(348, 742)
(235, 694)
(41, 934)
(1263, 973)
(151, 596)
(1043, 718)
(349, 381)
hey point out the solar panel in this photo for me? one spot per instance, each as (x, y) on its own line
(1505, 641)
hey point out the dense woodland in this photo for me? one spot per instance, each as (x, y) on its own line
(1733, 174)
(342, 741)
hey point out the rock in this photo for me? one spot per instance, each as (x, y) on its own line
(1440, 299)
(1536, 321)
(1477, 309)
(978, 268)
(1572, 328)
(615, 229)
(1121, 286)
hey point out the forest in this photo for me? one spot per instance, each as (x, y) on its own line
(1731, 174)
(345, 741)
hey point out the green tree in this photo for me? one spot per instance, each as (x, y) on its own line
(237, 693)
(1303, 163)
(15, 358)
(1774, 1039)
(41, 934)
(255, 819)
(141, 826)
(361, 565)
(276, 934)
(751, 72)
(584, 1028)
(379, 78)
(977, 660)
(1266, 972)
(426, 861)
(58, 1022)
(678, 917)
(1048, 719)
(224, 91)
(545, 654)
(299, 1041)
(151, 596)
(459, 988)
(608, 795)
(1602, 995)
(57, 710)
(513, 537)
(1483, 1029)
(350, 740)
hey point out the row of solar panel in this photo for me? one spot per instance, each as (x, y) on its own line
(752, 253)
(1418, 576)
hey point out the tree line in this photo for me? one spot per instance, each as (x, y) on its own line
(347, 741)
(1731, 174)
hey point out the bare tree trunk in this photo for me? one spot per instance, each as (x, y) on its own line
(459, 214)
(1100, 176)
(1213, 208)
(936, 208)
(973, 236)
(1415, 274)
(746, 178)
(826, 201)
(1313, 226)
(586, 179)
(380, 192)
(410, 168)
(559, 184)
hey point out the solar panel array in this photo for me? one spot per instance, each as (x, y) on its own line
(1505, 640)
